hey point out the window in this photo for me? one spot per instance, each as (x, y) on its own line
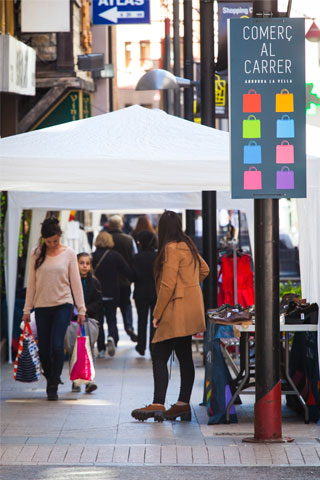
(128, 54)
(144, 52)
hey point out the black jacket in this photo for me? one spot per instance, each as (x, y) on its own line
(109, 271)
(123, 244)
(144, 284)
(92, 296)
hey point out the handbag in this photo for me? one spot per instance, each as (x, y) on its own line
(91, 328)
(251, 127)
(252, 153)
(27, 362)
(252, 179)
(252, 102)
(285, 152)
(81, 366)
(284, 101)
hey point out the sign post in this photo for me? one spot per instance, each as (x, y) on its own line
(120, 12)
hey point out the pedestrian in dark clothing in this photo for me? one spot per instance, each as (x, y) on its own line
(144, 286)
(93, 300)
(91, 287)
(125, 245)
(143, 223)
(108, 265)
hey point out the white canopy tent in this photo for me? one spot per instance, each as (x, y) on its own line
(131, 158)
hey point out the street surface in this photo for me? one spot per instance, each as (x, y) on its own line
(97, 438)
(160, 473)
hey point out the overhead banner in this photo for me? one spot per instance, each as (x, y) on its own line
(267, 108)
(228, 9)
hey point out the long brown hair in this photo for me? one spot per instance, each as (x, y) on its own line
(170, 230)
(143, 223)
(49, 228)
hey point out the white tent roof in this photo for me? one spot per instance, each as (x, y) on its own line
(152, 159)
(133, 149)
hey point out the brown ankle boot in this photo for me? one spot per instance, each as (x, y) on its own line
(154, 410)
(182, 411)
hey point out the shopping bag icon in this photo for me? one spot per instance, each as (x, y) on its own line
(284, 101)
(252, 179)
(285, 127)
(285, 152)
(252, 153)
(251, 127)
(285, 179)
(252, 102)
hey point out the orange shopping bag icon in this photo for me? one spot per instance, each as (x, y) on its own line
(252, 102)
(284, 101)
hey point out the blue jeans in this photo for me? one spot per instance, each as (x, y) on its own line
(52, 324)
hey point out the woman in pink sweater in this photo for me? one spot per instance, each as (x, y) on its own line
(54, 284)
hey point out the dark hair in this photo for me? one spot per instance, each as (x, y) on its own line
(143, 223)
(170, 230)
(83, 254)
(146, 240)
(50, 227)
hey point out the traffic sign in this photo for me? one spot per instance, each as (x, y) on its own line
(119, 12)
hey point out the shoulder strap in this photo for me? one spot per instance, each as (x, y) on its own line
(101, 260)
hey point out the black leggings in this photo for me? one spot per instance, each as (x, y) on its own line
(161, 352)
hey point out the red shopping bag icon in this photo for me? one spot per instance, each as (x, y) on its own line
(252, 102)
(252, 179)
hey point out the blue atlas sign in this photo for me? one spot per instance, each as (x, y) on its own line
(119, 12)
(267, 108)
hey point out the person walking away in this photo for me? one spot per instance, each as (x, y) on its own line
(93, 301)
(53, 283)
(178, 314)
(144, 287)
(143, 223)
(124, 244)
(108, 265)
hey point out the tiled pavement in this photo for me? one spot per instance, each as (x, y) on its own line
(98, 429)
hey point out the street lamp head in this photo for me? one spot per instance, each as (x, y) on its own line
(157, 79)
(313, 34)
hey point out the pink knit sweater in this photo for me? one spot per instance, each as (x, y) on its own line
(55, 282)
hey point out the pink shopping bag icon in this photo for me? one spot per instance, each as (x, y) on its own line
(252, 179)
(285, 179)
(285, 152)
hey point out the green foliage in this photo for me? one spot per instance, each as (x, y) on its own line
(289, 287)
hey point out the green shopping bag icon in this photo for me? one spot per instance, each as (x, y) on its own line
(251, 127)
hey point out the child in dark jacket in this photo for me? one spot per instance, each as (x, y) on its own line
(144, 295)
(93, 300)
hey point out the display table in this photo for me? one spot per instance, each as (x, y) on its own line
(243, 379)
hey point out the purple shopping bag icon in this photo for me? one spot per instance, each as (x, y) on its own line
(285, 179)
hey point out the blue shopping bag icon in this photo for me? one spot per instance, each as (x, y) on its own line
(285, 127)
(252, 153)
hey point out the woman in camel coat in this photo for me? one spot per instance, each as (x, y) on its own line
(178, 314)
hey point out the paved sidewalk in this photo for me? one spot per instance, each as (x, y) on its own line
(97, 429)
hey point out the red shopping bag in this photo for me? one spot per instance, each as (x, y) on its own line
(252, 102)
(81, 365)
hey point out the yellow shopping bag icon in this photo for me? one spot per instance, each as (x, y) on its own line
(284, 101)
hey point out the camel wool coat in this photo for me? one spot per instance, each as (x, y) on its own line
(179, 304)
